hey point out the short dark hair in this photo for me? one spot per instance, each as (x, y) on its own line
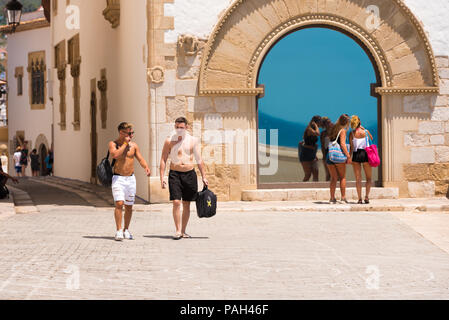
(124, 126)
(34, 151)
(182, 120)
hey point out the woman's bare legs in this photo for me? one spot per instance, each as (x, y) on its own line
(341, 169)
(369, 174)
(307, 167)
(333, 181)
(358, 178)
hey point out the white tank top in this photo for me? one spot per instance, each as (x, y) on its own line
(359, 144)
(181, 153)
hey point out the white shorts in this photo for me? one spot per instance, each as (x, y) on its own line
(124, 189)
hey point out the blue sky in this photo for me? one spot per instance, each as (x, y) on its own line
(315, 71)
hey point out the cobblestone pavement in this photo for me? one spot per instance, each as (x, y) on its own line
(68, 252)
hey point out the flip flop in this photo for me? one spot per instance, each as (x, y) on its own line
(186, 236)
(177, 236)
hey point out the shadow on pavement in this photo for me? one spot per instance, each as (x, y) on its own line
(171, 237)
(99, 238)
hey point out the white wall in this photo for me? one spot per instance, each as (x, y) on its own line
(20, 115)
(197, 18)
(121, 52)
(435, 17)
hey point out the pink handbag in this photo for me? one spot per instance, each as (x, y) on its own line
(373, 154)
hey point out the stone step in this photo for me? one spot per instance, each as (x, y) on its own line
(321, 194)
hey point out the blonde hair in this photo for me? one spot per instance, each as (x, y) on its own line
(18, 149)
(355, 122)
(125, 126)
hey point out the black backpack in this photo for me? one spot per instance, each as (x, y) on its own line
(104, 171)
(4, 192)
(206, 203)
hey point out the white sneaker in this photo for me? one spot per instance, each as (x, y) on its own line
(119, 236)
(128, 235)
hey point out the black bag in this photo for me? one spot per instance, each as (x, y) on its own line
(206, 203)
(104, 171)
(4, 192)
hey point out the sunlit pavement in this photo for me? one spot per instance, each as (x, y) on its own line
(67, 251)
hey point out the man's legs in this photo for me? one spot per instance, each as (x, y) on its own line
(128, 216)
(177, 216)
(185, 216)
(118, 214)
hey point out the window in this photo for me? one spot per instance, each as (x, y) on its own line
(37, 79)
(19, 75)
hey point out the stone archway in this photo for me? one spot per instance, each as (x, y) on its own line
(249, 28)
(42, 146)
(396, 40)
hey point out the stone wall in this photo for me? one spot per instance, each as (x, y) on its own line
(428, 171)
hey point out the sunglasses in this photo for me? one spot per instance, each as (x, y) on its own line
(129, 133)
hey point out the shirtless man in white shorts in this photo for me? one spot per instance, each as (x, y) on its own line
(182, 148)
(123, 150)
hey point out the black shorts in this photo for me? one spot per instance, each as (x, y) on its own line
(183, 185)
(360, 156)
(307, 154)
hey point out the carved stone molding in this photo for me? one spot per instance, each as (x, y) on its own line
(188, 45)
(112, 12)
(103, 87)
(156, 75)
(229, 71)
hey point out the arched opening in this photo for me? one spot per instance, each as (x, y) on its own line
(315, 70)
(43, 152)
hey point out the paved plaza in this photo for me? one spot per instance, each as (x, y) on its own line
(66, 250)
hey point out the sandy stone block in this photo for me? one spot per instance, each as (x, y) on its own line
(213, 121)
(200, 104)
(261, 195)
(444, 86)
(431, 127)
(235, 192)
(168, 87)
(437, 140)
(440, 114)
(423, 155)
(227, 104)
(188, 73)
(439, 172)
(176, 107)
(442, 61)
(186, 87)
(425, 189)
(443, 73)
(157, 194)
(416, 140)
(213, 137)
(416, 104)
(161, 110)
(439, 101)
(442, 154)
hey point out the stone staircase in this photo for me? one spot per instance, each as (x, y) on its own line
(317, 194)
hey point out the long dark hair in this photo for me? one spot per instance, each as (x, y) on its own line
(342, 122)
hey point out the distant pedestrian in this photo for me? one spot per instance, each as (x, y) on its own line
(24, 158)
(308, 150)
(49, 163)
(123, 150)
(4, 159)
(35, 164)
(17, 165)
(359, 142)
(338, 170)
